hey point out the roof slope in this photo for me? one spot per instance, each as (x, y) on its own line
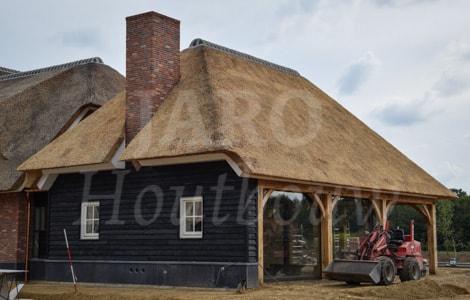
(93, 141)
(273, 124)
(35, 108)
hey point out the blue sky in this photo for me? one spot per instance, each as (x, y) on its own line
(401, 66)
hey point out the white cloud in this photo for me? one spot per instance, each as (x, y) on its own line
(357, 73)
(403, 113)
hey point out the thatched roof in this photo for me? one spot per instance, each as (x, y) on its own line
(270, 121)
(6, 71)
(274, 124)
(93, 141)
(36, 106)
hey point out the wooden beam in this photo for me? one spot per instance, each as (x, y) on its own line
(423, 211)
(432, 238)
(320, 204)
(327, 231)
(266, 197)
(378, 207)
(389, 196)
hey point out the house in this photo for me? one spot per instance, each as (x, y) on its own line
(214, 167)
(36, 107)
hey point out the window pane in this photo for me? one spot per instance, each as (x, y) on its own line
(198, 208)
(96, 214)
(198, 224)
(189, 225)
(89, 227)
(96, 225)
(89, 212)
(189, 208)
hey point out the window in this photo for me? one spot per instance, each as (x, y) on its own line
(90, 220)
(191, 217)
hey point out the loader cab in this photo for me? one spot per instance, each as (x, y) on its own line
(397, 237)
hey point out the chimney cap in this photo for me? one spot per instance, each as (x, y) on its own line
(150, 14)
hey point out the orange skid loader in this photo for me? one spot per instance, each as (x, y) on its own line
(381, 256)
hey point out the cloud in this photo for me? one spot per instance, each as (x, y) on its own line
(357, 73)
(457, 51)
(452, 83)
(456, 77)
(448, 172)
(403, 114)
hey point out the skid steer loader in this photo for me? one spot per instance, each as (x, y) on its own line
(380, 257)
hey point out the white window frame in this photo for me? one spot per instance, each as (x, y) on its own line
(184, 232)
(84, 235)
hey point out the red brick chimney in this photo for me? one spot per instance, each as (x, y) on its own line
(152, 66)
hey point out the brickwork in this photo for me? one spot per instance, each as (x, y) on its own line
(13, 227)
(152, 66)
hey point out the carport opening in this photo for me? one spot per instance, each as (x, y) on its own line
(353, 219)
(291, 237)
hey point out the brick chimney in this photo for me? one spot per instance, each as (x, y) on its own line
(152, 66)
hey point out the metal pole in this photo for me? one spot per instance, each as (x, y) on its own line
(70, 261)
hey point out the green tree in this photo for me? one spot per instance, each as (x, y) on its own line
(444, 223)
(461, 224)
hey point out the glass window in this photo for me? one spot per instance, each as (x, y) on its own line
(353, 218)
(291, 236)
(90, 220)
(191, 217)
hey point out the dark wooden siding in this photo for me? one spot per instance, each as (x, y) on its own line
(148, 230)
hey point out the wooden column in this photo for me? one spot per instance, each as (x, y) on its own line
(432, 237)
(428, 211)
(327, 231)
(262, 199)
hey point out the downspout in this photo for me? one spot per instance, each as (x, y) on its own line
(28, 203)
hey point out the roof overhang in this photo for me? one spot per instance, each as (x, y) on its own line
(198, 158)
(49, 175)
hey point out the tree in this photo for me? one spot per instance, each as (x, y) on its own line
(444, 224)
(460, 222)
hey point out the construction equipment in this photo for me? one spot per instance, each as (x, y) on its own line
(380, 257)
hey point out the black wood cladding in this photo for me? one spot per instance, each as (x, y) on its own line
(147, 228)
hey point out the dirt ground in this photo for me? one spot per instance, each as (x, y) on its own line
(449, 283)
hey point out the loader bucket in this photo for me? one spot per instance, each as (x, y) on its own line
(354, 271)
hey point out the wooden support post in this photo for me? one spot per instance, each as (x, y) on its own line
(262, 199)
(432, 238)
(327, 231)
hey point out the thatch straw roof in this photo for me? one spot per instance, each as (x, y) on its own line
(38, 106)
(6, 71)
(270, 121)
(93, 141)
(274, 124)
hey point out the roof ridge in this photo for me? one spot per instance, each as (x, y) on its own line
(11, 71)
(51, 68)
(200, 42)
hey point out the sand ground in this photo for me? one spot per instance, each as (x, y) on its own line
(448, 283)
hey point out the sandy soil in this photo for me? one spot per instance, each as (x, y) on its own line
(449, 283)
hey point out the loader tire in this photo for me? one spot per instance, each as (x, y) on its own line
(387, 273)
(411, 270)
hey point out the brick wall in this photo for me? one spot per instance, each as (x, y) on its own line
(152, 66)
(13, 227)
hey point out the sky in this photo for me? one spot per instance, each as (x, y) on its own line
(401, 66)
